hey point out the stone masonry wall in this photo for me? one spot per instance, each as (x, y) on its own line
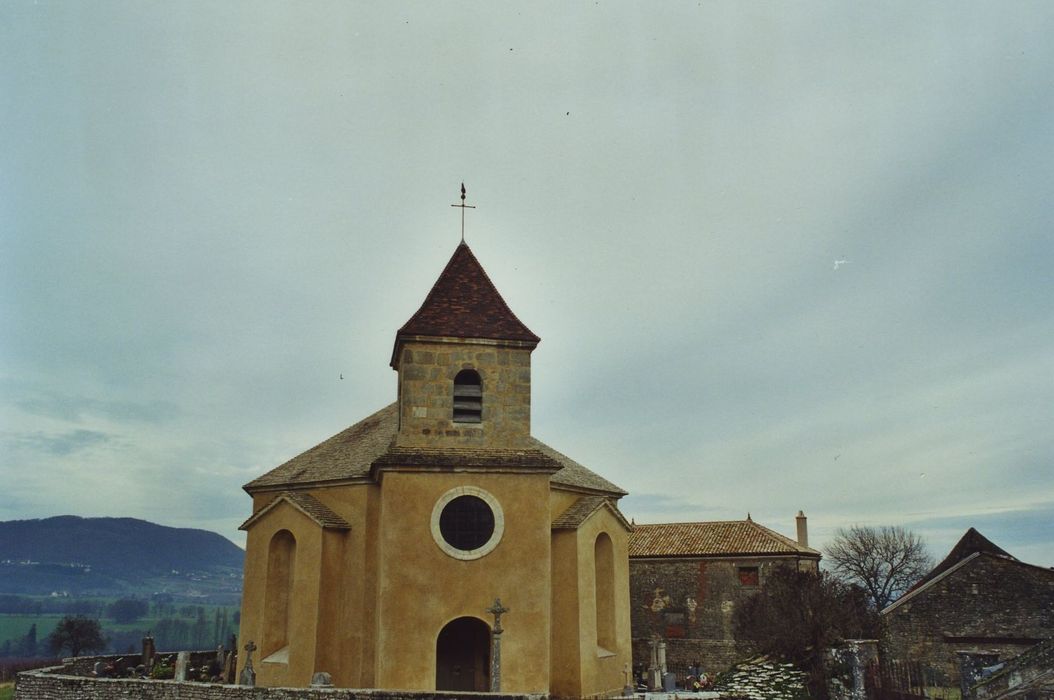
(426, 394)
(52, 684)
(990, 604)
(691, 604)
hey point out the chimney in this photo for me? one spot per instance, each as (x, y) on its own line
(803, 529)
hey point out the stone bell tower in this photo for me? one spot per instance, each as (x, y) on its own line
(464, 364)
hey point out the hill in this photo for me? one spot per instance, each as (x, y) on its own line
(113, 555)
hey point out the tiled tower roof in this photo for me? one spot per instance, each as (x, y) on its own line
(464, 303)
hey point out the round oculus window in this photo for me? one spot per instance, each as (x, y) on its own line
(467, 522)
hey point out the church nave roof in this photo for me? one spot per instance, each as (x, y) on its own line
(350, 455)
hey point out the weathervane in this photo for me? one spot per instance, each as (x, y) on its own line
(463, 207)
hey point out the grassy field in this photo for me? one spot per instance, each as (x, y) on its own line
(7, 690)
(14, 627)
(17, 626)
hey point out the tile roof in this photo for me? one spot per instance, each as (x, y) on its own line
(575, 475)
(464, 303)
(306, 504)
(346, 455)
(584, 507)
(351, 453)
(715, 538)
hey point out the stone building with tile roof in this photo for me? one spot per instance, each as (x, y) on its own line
(378, 555)
(979, 598)
(686, 580)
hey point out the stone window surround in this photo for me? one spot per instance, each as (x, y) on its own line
(469, 393)
(489, 545)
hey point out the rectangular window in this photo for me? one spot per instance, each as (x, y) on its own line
(748, 576)
(675, 628)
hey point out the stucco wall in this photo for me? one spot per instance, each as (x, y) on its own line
(602, 668)
(421, 588)
(333, 594)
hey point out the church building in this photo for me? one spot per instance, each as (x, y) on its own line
(436, 544)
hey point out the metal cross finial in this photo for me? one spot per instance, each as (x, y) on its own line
(497, 610)
(463, 207)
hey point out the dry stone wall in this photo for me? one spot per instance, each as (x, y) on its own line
(59, 683)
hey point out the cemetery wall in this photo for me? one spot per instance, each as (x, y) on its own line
(989, 604)
(61, 683)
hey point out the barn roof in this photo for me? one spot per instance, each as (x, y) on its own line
(972, 542)
(970, 547)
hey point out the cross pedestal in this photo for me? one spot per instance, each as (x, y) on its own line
(248, 676)
(497, 610)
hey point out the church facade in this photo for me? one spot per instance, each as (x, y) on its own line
(379, 555)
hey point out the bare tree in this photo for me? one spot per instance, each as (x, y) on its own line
(885, 561)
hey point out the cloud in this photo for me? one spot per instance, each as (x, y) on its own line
(178, 279)
(72, 408)
(61, 445)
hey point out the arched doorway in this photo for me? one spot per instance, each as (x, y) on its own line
(463, 656)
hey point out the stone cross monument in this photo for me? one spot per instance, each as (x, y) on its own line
(497, 610)
(248, 676)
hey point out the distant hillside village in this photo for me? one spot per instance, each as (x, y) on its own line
(437, 548)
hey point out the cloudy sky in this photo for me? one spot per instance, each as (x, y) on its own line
(781, 256)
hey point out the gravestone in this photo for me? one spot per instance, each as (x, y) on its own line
(99, 669)
(654, 672)
(228, 667)
(148, 651)
(321, 679)
(182, 659)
